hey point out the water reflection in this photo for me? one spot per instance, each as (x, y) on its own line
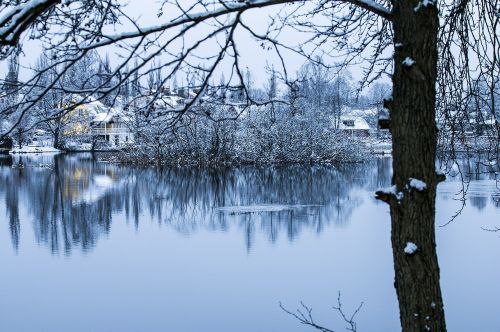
(474, 178)
(71, 199)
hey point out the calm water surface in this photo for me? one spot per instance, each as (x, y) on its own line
(87, 246)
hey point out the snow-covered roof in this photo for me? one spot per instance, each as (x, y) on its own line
(169, 102)
(360, 112)
(109, 115)
(89, 103)
(102, 117)
(353, 123)
(159, 102)
(95, 107)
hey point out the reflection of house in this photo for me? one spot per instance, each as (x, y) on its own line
(112, 127)
(354, 126)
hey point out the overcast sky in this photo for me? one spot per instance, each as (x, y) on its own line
(144, 12)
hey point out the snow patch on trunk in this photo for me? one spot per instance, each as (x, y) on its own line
(417, 184)
(408, 62)
(410, 248)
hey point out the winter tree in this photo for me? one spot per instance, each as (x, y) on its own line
(425, 46)
(11, 92)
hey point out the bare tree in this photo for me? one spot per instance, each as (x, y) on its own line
(305, 317)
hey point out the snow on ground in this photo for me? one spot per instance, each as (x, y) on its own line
(35, 149)
(80, 147)
(380, 146)
(410, 248)
(261, 208)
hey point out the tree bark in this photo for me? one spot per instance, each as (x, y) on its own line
(57, 143)
(413, 128)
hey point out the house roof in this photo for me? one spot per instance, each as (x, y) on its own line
(168, 102)
(360, 112)
(103, 117)
(353, 123)
(109, 115)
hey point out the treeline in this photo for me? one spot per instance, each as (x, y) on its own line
(299, 122)
(276, 123)
(256, 137)
(44, 104)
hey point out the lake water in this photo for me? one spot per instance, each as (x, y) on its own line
(87, 246)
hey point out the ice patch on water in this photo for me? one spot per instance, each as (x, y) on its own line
(259, 208)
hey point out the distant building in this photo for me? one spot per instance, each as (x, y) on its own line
(354, 126)
(112, 127)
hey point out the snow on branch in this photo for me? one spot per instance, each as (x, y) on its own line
(69, 31)
(373, 7)
(392, 194)
(225, 9)
(389, 194)
(15, 21)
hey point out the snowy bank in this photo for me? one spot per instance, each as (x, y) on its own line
(35, 149)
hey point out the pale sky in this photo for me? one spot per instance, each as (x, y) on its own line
(144, 12)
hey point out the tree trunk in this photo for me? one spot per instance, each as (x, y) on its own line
(414, 132)
(20, 138)
(57, 143)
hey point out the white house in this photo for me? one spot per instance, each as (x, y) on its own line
(112, 127)
(354, 126)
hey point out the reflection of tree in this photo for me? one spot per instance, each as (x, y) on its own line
(73, 201)
(479, 202)
(470, 166)
(12, 205)
(384, 172)
(188, 199)
(478, 175)
(50, 195)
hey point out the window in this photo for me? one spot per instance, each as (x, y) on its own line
(348, 123)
